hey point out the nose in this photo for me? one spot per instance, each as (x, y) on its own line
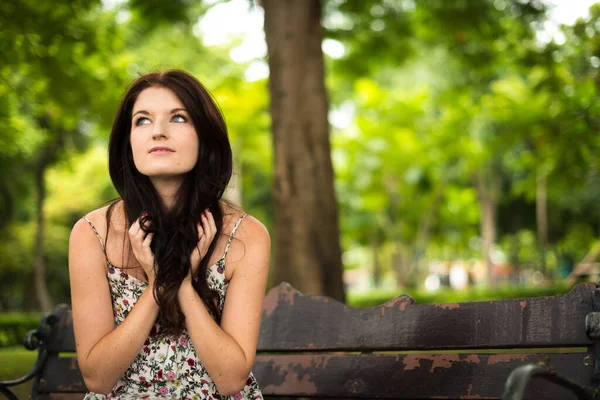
(160, 128)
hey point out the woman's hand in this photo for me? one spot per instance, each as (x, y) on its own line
(140, 244)
(206, 233)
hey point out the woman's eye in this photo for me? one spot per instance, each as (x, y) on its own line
(179, 118)
(142, 121)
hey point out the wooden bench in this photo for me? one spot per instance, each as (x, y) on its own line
(313, 346)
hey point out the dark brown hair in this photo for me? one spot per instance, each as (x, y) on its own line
(175, 234)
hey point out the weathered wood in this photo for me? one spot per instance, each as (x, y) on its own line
(62, 338)
(413, 376)
(324, 348)
(61, 396)
(401, 325)
(294, 321)
(402, 376)
(61, 375)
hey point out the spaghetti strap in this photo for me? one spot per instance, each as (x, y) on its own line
(233, 233)
(98, 236)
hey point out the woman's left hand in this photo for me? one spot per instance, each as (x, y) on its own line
(206, 233)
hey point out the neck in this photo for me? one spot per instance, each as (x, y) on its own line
(167, 189)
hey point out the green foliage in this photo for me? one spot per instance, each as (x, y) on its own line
(14, 326)
(370, 29)
(77, 185)
(379, 297)
(441, 93)
(479, 97)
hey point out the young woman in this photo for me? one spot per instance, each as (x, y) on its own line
(167, 282)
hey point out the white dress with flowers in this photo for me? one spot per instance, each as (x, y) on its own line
(166, 368)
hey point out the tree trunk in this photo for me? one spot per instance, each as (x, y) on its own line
(541, 208)
(487, 184)
(426, 224)
(30, 297)
(376, 240)
(43, 295)
(399, 265)
(307, 247)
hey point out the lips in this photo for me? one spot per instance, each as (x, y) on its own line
(161, 149)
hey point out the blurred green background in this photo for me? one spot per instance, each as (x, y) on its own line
(464, 137)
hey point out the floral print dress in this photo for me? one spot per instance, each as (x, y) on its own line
(166, 368)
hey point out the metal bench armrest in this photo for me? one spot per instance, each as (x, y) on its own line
(34, 339)
(517, 381)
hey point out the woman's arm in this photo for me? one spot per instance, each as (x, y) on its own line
(103, 351)
(228, 351)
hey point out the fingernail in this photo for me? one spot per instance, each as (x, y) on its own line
(144, 214)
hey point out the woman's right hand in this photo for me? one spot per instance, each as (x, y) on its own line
(140, 244)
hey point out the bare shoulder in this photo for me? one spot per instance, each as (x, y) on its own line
(82, 228)
(83, 235)
(250, 230)
(98, 217)
(85, 248)
(250, 250)
(251, 244)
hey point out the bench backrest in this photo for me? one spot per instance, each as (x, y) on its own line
(313, 346)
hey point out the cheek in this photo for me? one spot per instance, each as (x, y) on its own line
(191, 146)
(136, 147)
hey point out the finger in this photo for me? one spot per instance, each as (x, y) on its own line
(211, 222)
(146, 245)
(200, 230)
(148, 240)
(204, 220)
(140, 235)
(134, 227)
(142, 231)
(209, 225)
(135, 238)
(147, 224)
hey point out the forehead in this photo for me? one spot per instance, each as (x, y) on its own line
(157, 99)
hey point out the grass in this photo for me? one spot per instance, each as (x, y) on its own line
(15, 362)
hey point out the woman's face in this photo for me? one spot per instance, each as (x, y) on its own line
(163, 138)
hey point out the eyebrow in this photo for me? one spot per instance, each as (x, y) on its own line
(147, 113)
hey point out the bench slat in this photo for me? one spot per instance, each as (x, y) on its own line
(310, 334)
(402, 376)
(308, 323)
(61, 375)
(292, 320)
(412, 376)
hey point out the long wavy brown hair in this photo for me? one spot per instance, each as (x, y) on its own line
(175, 234)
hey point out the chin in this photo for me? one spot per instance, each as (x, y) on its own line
(165, 173)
